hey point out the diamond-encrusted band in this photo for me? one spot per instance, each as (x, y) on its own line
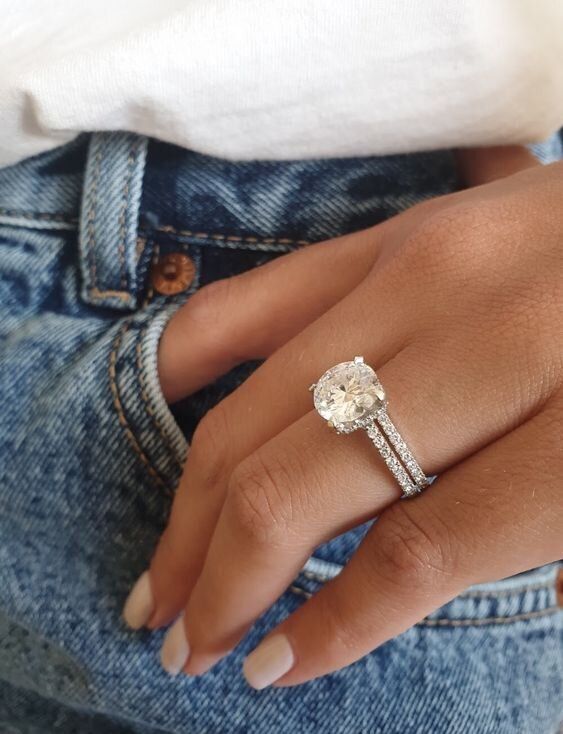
(392, 462)
(405, 454)
(350, 396)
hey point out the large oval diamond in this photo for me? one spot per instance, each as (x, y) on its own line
(348, 392)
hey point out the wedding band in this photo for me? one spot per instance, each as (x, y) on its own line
(350, 396)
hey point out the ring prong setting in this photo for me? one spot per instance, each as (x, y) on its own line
(312, 386)
(349, 396)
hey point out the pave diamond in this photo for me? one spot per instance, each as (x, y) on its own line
(402, 450)
(348, 392)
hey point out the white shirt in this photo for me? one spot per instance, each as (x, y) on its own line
(281, 78)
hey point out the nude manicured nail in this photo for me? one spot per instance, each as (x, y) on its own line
(175, 649)
(140, 603)
(272, 659)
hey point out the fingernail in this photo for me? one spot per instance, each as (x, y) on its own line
(265, 665)
(175, 649)
(139, 605)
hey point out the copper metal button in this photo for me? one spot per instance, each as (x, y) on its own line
(172, 273)
(559, 587)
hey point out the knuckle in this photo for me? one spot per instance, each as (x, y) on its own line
(446, 233)
(210, 446)
(347, 632)
(460, 235)
(342, 636)
(410, 548)
(259, 500)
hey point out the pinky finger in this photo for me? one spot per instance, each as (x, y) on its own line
(479, 522)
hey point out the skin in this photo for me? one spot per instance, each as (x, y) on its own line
(458, 305)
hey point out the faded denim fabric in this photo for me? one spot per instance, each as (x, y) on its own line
(90, 455)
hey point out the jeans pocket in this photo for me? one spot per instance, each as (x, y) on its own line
(142, 412)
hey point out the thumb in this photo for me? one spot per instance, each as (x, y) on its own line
(482, 165)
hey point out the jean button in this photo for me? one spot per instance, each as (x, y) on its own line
(172, 273)
(559, 587)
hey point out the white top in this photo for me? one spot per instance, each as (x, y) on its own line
(281, 78)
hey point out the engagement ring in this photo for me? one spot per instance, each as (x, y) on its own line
(350, 396)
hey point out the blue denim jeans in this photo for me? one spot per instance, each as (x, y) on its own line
(90, 455)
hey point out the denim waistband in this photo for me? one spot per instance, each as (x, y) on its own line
(117, 189)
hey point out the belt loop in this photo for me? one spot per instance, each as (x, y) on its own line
(109, 217)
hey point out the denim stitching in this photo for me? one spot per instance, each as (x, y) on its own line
(121, 414)
(167, 229)
(140, 249)
(489, 620)
(124, 201)
(508, 592)
(176, 439)
(258, 247)
(544, 585)
(144, 396)
(41, 216)
(150, 290)
(232, 242)
(444, 622)
(90, 216)
(97, 293)
(37, 225)
(94, 291)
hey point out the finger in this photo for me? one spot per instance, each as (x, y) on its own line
(265, 530)
(479, 522)
(479, 166)
(250, 315)
(281, 503)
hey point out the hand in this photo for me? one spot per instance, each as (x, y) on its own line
(458, 305)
